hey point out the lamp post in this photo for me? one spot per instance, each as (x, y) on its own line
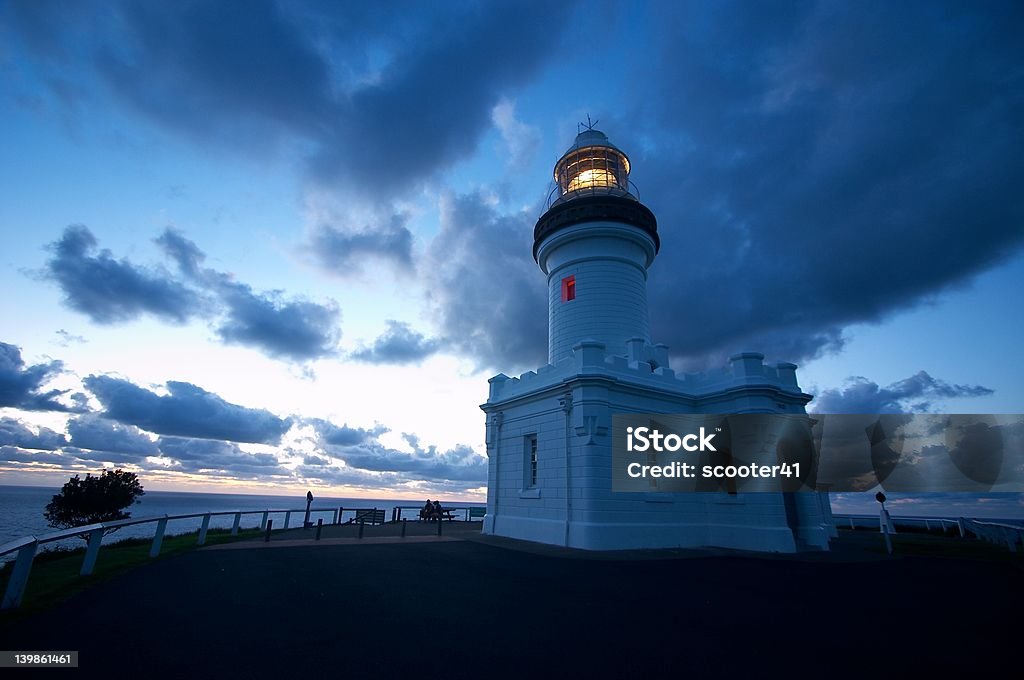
(884, 522)
(309, 500)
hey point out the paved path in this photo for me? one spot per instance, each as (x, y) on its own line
(469, 609)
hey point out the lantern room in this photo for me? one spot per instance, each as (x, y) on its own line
(592, 165)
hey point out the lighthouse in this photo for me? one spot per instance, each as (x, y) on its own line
(548, 431)
(595, 244)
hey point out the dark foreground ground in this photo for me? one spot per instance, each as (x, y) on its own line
(480, 609)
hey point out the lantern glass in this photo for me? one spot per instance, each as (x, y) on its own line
(593, 168)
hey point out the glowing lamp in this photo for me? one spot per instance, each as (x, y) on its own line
(592, 164)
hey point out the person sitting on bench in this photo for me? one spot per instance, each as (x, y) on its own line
(438, 512)
(427, 513)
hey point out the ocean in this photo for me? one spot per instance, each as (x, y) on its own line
(21, 511)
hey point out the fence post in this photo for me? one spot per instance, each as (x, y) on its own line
(334, 519)
(203, 529)
(403, 527)
(270, 527)
(319, 527)
(341, 511)
(263, 520)
(158, 537)
(362, 523)
(439, 523)
(287, 519)
(234, 527)
(960, 525)
(19, 576)
(92, 552)
(888, 541)
(851, 523)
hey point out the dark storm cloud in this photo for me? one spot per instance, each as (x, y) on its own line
(367, 461)
(486, 290)
(23, 386)
(811, 165)
(459, 464)
(299, 330)
(818, 164)
(334, 435)
(916, 393)
(187, 411)
(199, 455)
(105, 435)
(381, 96)
(349, 476)
(13, 454)
(343, 252)
(434, 99)
(13, 432)
(285, 328)
(115, 291)
(395, 482)
(185, 253)
(399, 344)
(111, 291)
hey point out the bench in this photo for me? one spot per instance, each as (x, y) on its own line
(368, 516)
(446, 513)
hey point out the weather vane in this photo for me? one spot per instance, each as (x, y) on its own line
(589, 125)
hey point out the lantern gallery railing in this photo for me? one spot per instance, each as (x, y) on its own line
(557, 196)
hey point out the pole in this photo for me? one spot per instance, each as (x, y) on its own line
(158, 537)
(92, 552)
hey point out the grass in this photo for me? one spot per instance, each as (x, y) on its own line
(54, 576)
(934, 544)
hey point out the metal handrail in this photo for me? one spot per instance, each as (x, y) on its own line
(994, 532)
(27, 546)
(11, 546)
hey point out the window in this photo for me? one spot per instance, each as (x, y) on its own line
(530, 461)
(568, 288)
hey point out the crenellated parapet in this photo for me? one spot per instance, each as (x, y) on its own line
(647, 365)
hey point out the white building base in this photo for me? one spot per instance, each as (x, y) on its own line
(561, 415)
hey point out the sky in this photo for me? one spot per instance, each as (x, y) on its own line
(271, 246)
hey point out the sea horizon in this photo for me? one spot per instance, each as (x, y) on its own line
(21, 510)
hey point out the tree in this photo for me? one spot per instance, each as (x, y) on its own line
(94, 499)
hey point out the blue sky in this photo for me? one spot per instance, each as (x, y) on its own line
(314, 219)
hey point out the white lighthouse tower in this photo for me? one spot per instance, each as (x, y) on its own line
(550, 472)
(595, 244)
